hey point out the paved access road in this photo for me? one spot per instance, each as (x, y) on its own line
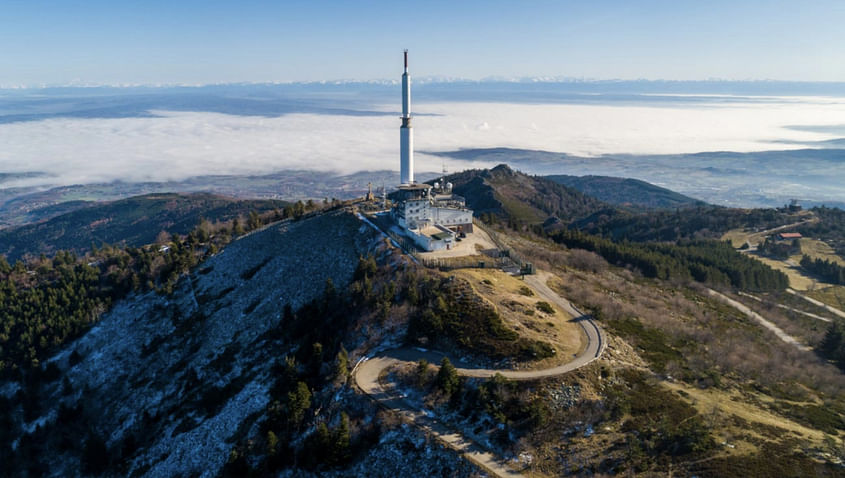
(366, 375)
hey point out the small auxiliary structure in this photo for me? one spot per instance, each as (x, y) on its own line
(433, 217)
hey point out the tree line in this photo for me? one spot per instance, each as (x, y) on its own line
(827, 270)
(833, 345)
(697, 222)
(707, 261)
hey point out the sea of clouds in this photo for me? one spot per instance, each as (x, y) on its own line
(174, 145)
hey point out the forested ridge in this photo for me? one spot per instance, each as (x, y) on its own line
(47, 301)
(676, 244)
(707, 261)
(688, 223)
(161, 341)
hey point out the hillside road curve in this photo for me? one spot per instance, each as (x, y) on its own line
(367, 376)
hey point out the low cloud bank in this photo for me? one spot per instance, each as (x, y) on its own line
(178, 145)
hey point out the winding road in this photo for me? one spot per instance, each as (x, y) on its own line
(367, 376)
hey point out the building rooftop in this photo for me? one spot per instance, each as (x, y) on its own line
(430, 231)
(414, 187)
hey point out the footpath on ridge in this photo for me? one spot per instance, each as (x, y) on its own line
(367, 377)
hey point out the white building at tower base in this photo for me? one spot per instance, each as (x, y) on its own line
(432, 216)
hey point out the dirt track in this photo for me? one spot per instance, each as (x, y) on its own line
(760, 319)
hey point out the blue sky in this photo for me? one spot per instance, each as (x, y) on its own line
(197, 42)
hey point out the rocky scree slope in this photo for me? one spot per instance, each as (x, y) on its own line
(170, 382)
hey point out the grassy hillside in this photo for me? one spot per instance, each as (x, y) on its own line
(513, 196)
(133, 221)
(625, 191)
(504, 195)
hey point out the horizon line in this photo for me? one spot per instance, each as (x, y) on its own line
(419, 81)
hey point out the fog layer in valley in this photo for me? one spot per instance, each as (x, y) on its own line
(164, 144)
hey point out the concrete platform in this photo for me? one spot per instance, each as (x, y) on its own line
(467, 246)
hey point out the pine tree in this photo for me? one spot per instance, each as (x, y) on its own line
(341, 440)
(422, 372)
(342, 364)
(447, 377)
(237, 228)
(299, 401)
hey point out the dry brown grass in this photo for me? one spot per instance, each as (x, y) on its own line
(520, 313)
(820, 250)
(711, 336)
(754, 373)
(721, 405)
(833, 296)
(738, 237)
(798, 278)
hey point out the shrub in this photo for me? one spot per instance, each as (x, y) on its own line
(652, 343)
(543, 306)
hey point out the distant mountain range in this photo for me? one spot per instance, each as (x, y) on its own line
(725, 86)
(726, 178)
(20, 206)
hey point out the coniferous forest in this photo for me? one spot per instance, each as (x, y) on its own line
(827, 270)
(707, 261)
